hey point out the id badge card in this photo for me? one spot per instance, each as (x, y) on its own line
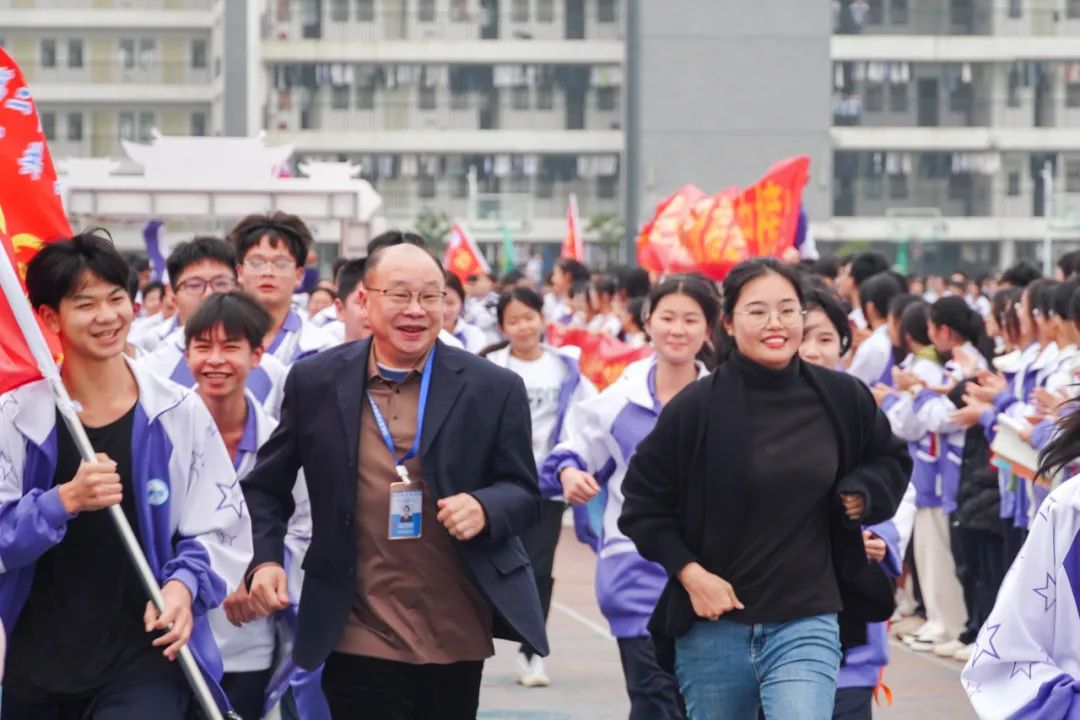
(406, 500)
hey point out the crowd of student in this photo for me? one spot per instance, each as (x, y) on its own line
(823, 494)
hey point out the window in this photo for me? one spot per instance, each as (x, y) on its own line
(426, 187)
(1015, 80)
(127, 53)
(874, 187)
(1072, 176)
(75, 53)
(607, 187)
(339, 10)
(898, 187)
(959, 186)
(75, 127)
(198, 54)
(426, 11)
(147, 53)
(1016, 8)
(48, 53)
(898, 97)
(519, 98)
(428, 98)
(459, 100)
(1072, 9)
(607, 99)
(147, 123)
(1014, 184)
(545, 11)
(365, 97)
(1072, 95)
(875, 12)
(48, 125)
(125, 123)
(198, 124)
(365, 10)
(545, 187)
(545, 98)
(898, 12)
(960, 98)
(519, 11)
(459, 10)
(875, 97)
(339, 97)
(605, 11)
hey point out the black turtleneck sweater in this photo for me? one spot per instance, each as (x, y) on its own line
(781, 566)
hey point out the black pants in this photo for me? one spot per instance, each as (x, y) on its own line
(1014, 540)
(160, 692)
(654, 693)
(984, 569)
(359, 687)
(853, 704)
(540, 542)
(247, 691)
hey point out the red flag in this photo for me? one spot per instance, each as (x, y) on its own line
(573, 245)
(462, 257)
(603, 358)
(31, 213)
(693, 231)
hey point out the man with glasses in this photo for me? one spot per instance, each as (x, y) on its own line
(198, 269)
(271, 251)
(426, 477)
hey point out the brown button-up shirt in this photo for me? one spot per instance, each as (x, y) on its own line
(414, 602)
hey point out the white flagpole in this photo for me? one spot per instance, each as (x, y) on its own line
(24, 316)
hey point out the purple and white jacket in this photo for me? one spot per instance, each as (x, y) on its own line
(193, 526)
(606, 433)
(299, 338)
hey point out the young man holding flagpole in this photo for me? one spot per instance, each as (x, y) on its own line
(84, 642)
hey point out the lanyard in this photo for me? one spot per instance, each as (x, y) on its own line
(384, 429)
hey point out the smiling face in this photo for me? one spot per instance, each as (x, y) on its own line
(767, 341)
(678, 328)
(404, 331)
(93, 321)
(220, 364)
(821, 343)
(522, 327)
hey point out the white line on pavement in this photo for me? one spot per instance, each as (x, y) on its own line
(595, 627)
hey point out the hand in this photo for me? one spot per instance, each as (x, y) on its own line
(904, 379)
(881, 391)
(875, 546)
(1025, 433)
(579, 487)
(1047, 401)
(854, 505)
(269, 590)
(95, 486)
(791, 256)
(990, 385)
(176, 619)
(238, 608)
(462, 515)
(969, 415)
(711, 596)
(943, 389)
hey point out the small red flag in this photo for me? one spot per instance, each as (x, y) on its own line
(462, 257)
(603, 358)
(31, 213)
(573, 246)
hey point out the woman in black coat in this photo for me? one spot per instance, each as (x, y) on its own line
(750, 492)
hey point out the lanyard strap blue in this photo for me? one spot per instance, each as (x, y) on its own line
(384, 429)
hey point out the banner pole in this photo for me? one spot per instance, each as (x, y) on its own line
(24, 316)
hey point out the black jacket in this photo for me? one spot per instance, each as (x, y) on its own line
(978, 498)
(477, 439)
(684, 493)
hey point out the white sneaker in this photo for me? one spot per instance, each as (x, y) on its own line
(531, 672)
(964, 654)
(947, 649)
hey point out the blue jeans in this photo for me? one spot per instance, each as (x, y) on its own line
(733, 671)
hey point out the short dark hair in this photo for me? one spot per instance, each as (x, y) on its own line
(322, 288)
(58, 268)
(634, 281)
(524, 295)
(867, 264)
(278, 228)
(1021, 274)
(819, 297)
(137, 261)
(152, 286)
(826, 268)
(239, 315)
(879, 289)
(201, 248)
(511, 277)
(453, 284)
(573, 268)
(349, 276)
(391, 238)
(604, 284)
(335, 268)
(1069, 263)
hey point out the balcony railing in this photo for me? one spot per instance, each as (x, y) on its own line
(955, 17)
(138, 5)
(1026, 110)
(138, 72)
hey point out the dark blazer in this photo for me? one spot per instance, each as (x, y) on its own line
(685, 491)
(477, 439)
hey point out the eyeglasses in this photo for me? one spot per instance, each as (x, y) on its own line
(279, 264)
(197, 286)
(788, 316)
(396, 298)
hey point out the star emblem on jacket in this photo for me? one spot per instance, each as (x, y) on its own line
(232, 497)
(7, 469)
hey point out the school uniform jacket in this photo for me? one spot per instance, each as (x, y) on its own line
(193, 525)
(297, 339)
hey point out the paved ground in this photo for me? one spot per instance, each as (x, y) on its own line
(587, 678)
